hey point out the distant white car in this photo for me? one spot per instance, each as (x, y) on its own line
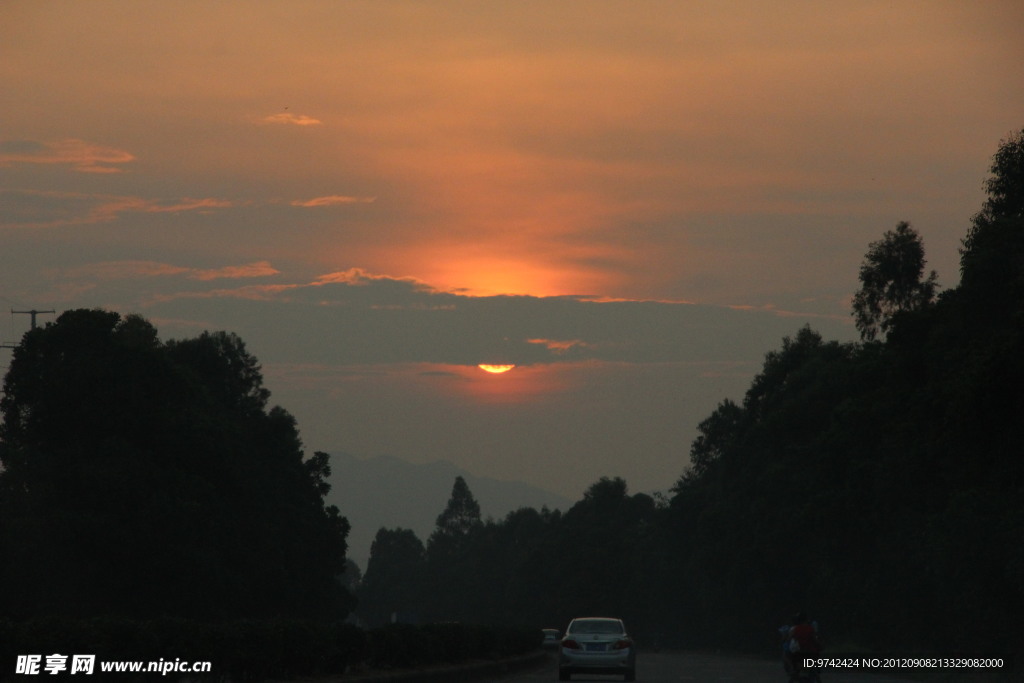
(597, 645)
(551, 637)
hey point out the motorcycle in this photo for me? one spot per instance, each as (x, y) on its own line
(793, 659)
(798, 673)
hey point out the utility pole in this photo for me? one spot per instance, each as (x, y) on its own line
(33, 313)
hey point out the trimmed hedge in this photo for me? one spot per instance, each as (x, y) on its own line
(255, 650)
(406, 645)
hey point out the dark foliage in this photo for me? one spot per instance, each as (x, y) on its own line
(145, 479)
(891, 282)
(393, 587)
(408, 645)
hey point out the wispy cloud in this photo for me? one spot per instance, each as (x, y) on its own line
(361, 277)
(45, 208)
(332, 200)
(289, 119)
(123, 270)
(783, 313)
(149, 206)
(86, 157)
(559, 346)
(257, 269)
(111, 207)
(248, 292)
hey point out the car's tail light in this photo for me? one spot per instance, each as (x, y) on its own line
(571, 644)
(622, 644)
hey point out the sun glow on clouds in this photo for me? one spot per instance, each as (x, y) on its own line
(489, 277)
(360, 278)
(492, 268)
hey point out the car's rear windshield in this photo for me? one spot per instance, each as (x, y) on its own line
(595, 626)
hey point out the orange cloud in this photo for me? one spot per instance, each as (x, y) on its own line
(292, 120)
(186, 204)
(249, 292)
(333, 199)
(257, 269)
(119, 270)
(83, 156)
(559, 346)
(360, 277)
(113, 207)
(48, 209)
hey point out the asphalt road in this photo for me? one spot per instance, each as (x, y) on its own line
(666, 667)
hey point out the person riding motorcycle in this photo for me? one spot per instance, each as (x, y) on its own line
(800, 640)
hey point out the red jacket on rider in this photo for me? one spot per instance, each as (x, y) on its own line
(806, 638)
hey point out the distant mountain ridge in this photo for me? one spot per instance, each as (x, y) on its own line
(385, 491)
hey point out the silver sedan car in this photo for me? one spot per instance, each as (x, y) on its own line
(597, 645)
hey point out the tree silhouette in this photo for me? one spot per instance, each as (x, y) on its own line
(394, 581)
(1005, 188)
(147, 479)
(891, 281)
(451, 564)
(992, 254)
(715, 436)
(461, 515)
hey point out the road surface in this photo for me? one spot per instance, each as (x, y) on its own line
(673, 667)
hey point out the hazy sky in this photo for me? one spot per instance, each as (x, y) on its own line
(632, 201)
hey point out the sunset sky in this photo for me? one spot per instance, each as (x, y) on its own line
(630, 201)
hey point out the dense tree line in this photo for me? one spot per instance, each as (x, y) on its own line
(150, 479)
(878, 485)
(513, 570)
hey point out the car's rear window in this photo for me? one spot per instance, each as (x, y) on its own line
(595, 626)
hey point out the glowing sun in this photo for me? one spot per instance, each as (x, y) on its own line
(495, 369)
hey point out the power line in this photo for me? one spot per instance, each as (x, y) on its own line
(33, 313)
